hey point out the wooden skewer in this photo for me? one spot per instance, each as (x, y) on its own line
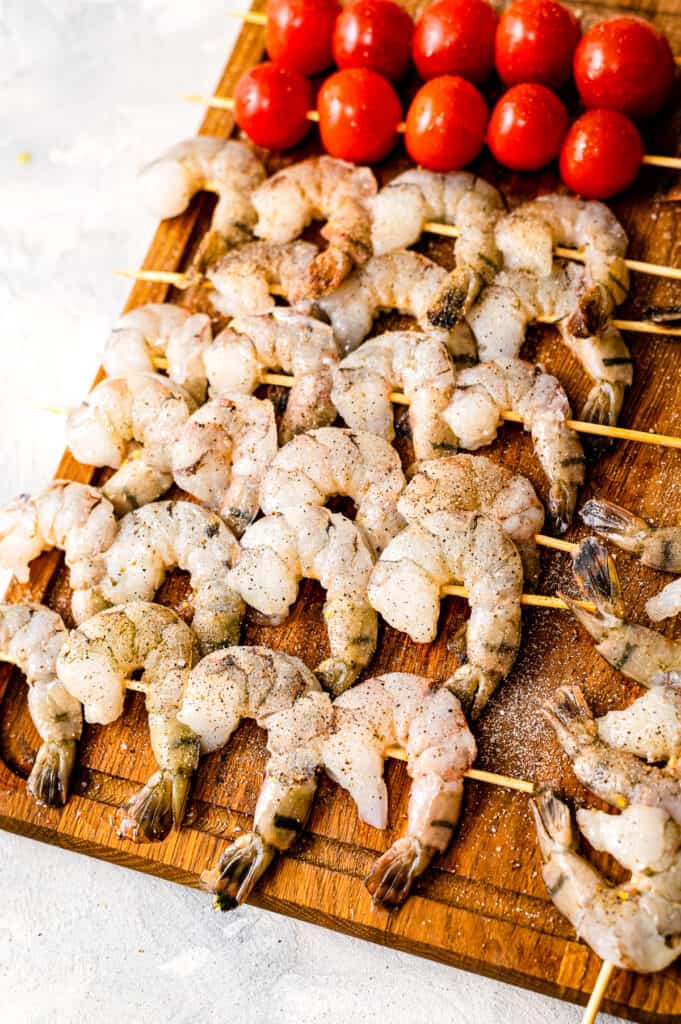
(602, 981)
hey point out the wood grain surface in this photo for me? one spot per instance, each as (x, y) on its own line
(483, 907)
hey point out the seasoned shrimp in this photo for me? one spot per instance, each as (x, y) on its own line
(321, 188)
(642, 839)
(161, 329)
(244, 279)
(425, 719)
(221, 454)
(144, 408)
(167, 534)
(73, 517)
(635, 930)
(474, 414)
(31, 637)
(640, 653)
(284, 697)
(473, 483)
(313, 543)
(650, 728)
(657, 546)
(313, 467)
(419, 364)
(97, 663)
(616, 776)
(401, 280)
(444, 547)
(282, 339)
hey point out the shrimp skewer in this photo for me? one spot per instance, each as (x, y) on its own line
(425, 719)
(321, 188)
(246, 279)
(31, 637)
(659, 547)
(95, 665)
(650, 728)
(283, 696)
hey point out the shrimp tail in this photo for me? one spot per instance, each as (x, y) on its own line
(336, 675)
(391, 877)
(553, 823)
(603, 403)
(326, 272)
(239, 869)
(591, 314)
(455, 297)
(597, 577)
(622, 527)
(473, 687)
(562, 500)
(48, 782)
(148, 816)
(570, 717)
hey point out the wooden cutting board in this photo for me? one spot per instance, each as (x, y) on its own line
(483, 907)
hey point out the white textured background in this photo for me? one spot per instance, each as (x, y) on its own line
(90, 89)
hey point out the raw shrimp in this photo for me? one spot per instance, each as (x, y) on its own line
(161, 329)
(321, 188)
(473, 483)
(313, 543)
(650, 728)
(245, 278)
(635, 930)
(97, 663)
(419, 364)
(616, 776)
(444, 547)
(75, 518)
(657, 546)
(144, 408)
(640, 653)
(425, 719)
(31, 637)
(401, 280)
(167, 534)
(221, 454)
(474, 414)
(282, 339)
(401, 209)
(642, 839)
(313, 467)
(284, 697)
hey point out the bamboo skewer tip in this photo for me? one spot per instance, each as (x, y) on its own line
(596, 998)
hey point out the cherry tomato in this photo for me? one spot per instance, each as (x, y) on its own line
(601, 154)
(271, 104)
(527, 127)
(446, 124)
(535, 42)
(359, 112)
(298, 33)
(374, 34)
(455, 37)
(624, 64)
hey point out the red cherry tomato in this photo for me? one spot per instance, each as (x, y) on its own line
(455, 37)
(535, 42)
(624, 64)
(446, 124)
(601, 154)
(527, 127)
(374, 34)
(271, 104)
(298, 33)
(359, 112)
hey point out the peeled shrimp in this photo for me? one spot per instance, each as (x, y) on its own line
(96, 664)
(635, 930)
(657, 546)
(640, 653)
(321, 188)
(425, 719)
(474, 414)
(221, 454)
(473, 483)
(144, 408)
(282, 339)
(73, 517)
(443, 547)
(167, 534)
(315, 466)
(284, 697)
(31, 636)
(419, 364)
(161, 329)
(244, 279)
(401, 280)
(313, 543)
(650, 728)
